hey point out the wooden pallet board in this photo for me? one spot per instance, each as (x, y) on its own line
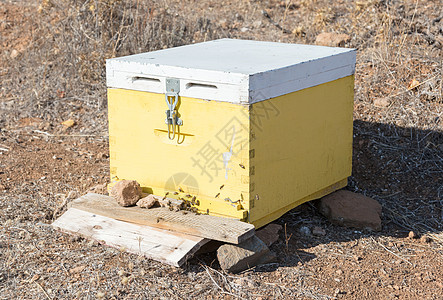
(205, 226)
(161, 245)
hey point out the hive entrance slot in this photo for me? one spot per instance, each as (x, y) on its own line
(200, 85)
(145, 79)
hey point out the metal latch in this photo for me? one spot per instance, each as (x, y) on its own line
(171, 97)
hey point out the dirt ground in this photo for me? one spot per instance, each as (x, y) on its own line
(52, 70)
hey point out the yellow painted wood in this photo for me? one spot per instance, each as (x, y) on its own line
(302, 149)
(285, 151)
(193, 162)
(281, 211)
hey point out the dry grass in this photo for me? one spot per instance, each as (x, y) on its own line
(61, 74)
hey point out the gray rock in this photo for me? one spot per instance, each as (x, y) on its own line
(304, 230)
(349, 209)
(269, 234)
(318, 231)
(236, 258)
(267, 258)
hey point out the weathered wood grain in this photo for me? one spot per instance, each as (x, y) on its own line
(161, 245)
(205, 226)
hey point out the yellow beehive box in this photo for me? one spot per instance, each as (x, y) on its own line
(242, 129)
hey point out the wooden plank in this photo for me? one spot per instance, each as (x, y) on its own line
(205, 226)
(157, 244)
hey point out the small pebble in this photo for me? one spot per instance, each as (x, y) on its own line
(305, 230)
(382, 102)
(425, 239)
(92, 243)
(412, 235)
(14, 54)
(318, 231)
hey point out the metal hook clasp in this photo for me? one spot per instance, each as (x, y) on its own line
(172, 90)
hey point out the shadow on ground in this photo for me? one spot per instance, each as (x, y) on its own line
(400, 167)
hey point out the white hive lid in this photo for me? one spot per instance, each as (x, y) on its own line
(236, 71)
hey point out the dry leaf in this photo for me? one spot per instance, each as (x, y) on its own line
(61, 94)
(68, 123)
(413, 84)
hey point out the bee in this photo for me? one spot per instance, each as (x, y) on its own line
(193, 202)
(229, 199)
(188, 196)
(159, 219)
(171, 208)
(197, 213)
(197, 202)
(166, 194)
(177, 209)
(222, 186)
(241, 166)
(181, 190)
(207, 211)
(216, 196)
(175, 193)
(185, 212)
(193, 198)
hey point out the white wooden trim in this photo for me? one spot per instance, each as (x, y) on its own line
(298, 84)
(201, 89)
(272, 69)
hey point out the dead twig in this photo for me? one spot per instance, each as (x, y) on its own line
(43, 290)
(222, 290)
(267, 16)
(396, 255)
